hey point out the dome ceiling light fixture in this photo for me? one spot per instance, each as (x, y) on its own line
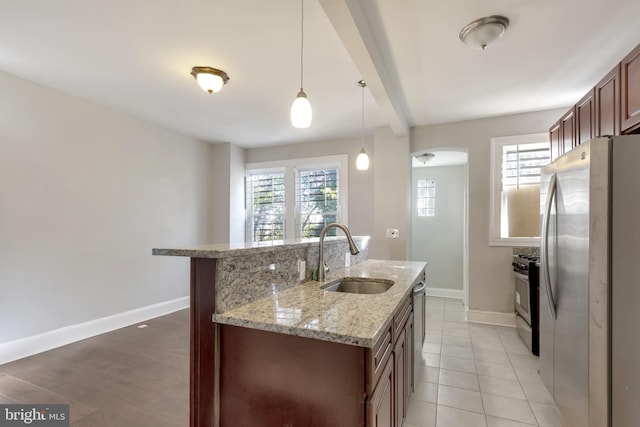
(210, 79)
(484, 31)
(424, 157)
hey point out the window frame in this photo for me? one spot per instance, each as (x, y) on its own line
(497, 144)
(291, 168)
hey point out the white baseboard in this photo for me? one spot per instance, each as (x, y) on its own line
(35, 344)
(444, 293)
(492, 318)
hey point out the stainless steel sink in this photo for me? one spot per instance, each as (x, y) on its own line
(360, 285)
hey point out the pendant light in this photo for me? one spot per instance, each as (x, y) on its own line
(362, 161)
(301, 113)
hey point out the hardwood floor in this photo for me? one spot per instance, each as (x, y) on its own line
(129, 377)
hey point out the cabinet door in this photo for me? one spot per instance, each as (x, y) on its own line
(380, 407)
(585, 118)
(408, 363)
(630, 74)
(608, 104)
(568, 125)
(399, 356)
(555, 138)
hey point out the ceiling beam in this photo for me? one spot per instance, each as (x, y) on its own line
(353, 22)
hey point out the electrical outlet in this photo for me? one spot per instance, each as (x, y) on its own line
(347, 260)
(393, 233)
(302, 267)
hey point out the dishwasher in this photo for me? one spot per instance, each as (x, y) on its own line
(419, 312)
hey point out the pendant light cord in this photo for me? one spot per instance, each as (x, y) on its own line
(301, 42)
(362, 84)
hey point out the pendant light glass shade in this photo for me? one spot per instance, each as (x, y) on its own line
(301, 113)
(362, 161)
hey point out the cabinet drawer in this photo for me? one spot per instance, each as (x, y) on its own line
(401, 317)
(376, 359)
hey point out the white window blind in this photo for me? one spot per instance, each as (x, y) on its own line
(317, 200)
(521, 163)
(266, 205)
(426, 198)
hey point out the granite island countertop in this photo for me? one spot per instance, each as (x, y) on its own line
(308, 311)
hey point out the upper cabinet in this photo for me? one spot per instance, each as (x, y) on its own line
(631, 91)
(607, 100)
(585, 118)
(612, 107)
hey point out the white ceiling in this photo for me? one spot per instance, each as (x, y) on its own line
(135, 56)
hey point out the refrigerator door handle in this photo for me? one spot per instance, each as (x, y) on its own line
(551, 193)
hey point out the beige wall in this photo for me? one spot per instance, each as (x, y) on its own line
(378, 197)
(490, 278)
(85, 194)
(228, 193)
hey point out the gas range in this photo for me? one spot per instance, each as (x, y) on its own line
(523, 263)
(527, 273)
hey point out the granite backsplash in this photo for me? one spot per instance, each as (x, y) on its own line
(243, 279)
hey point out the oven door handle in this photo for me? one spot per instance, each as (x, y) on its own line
(551, 193)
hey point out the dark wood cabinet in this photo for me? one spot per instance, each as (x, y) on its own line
(607, 104)
(562, 135)
(585, 118)
(555, 139)
(568, 125)
(381, 404)
(400, 377)
(630, 91)
(408, 363)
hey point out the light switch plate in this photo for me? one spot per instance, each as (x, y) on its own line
(302, 268)
(347, 259)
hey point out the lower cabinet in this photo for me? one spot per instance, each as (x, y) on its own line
(389, 393)
(400, 376)
(381, 404)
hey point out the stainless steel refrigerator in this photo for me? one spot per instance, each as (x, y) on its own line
(590, 282)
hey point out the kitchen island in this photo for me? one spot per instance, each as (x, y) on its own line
(282, 351)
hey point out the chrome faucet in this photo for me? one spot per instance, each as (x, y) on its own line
(353, 248)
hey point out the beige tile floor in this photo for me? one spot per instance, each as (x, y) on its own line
(472, 375)
(467, 375)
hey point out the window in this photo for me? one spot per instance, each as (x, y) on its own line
(265, 205)
(316, 200)
(515, 192)
(426, 198)
(295, 198)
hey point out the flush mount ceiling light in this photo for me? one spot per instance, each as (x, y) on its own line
(362, 161)
(481, 32)
(301, 112)
(424, 157)
(210, 79)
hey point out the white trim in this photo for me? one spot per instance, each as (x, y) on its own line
(491, 318)
(35, 344)
(444, 293)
